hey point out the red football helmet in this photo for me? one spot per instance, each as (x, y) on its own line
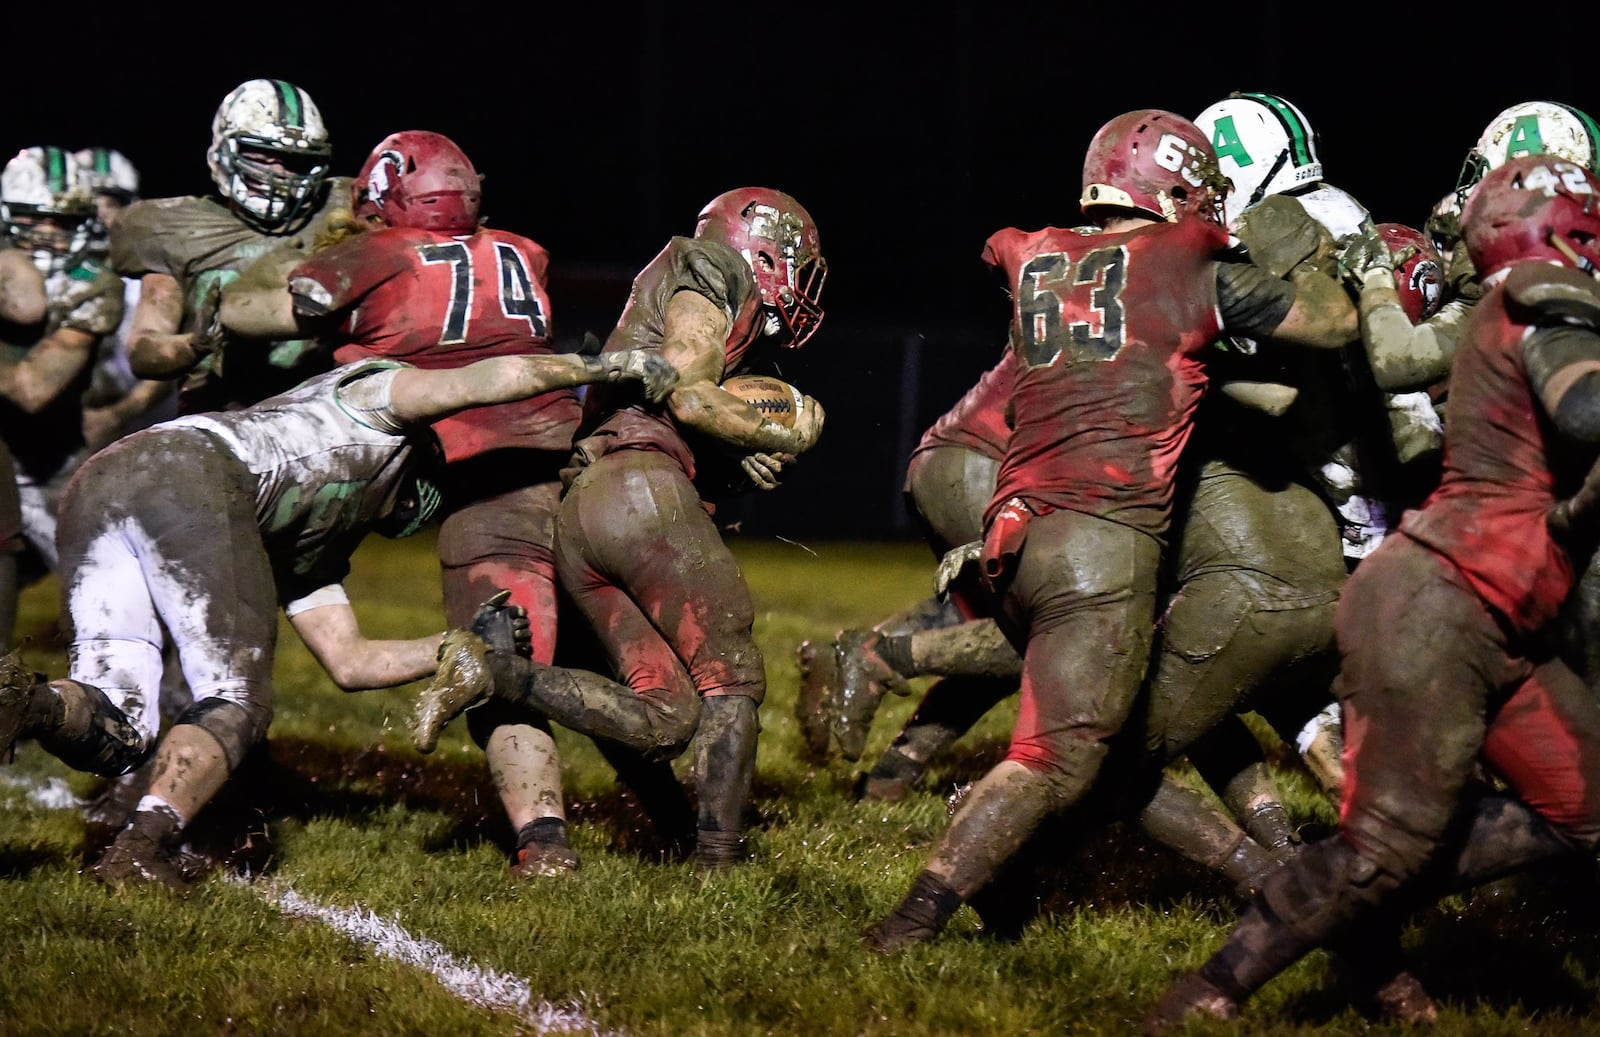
(418, 179)
(1420, 278)
(1536, 207)
(779, 240)
(1156, 163)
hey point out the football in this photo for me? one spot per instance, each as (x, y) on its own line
(776, 399)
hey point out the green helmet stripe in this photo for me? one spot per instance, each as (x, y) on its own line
(102, 160)
(1591, 129)
(55, 165)
(289, 104)
(1293, 125)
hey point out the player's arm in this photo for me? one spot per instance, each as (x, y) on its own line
(1405, 356)
(102, 425)
(418, 396)
(156, 349)
(262, 304)
(696, 330)
(22, 294)
(49, 367)
(1308, 309)
(356, 662)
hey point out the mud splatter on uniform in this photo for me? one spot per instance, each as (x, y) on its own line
(199, 241)
(207, 524)
(440, 301)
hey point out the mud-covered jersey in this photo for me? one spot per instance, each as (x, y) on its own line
(1107, 329)
(439, 300)
(978, 422)
(199, 241)
(1505, 464)
(615, 416)
(85, 298)
(329, 458)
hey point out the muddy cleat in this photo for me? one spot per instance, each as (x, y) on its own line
(1191, 997)
(884, 790)
(863, 679)
(16, 681)
(139, 858)
(463, 679)
(819, 682)
(543, 850)
(1404, 1000)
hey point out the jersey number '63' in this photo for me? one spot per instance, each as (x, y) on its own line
(1071, 307)
(517, 295)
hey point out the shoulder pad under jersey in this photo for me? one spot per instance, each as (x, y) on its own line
(1557, 292)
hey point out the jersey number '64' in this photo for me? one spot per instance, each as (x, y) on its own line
(517, 295)
(1071, 307)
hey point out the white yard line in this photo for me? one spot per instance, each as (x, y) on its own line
(462, 977)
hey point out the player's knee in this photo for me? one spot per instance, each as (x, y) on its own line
(237, 723)
(1064, 766)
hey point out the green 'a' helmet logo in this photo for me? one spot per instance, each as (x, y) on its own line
(1525, 138)
(1226, 140)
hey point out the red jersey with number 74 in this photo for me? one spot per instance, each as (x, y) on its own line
(1107, 328)
(436, 300)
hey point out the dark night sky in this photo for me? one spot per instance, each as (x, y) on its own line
(909, 135)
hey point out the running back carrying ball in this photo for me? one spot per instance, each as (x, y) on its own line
(777, 400)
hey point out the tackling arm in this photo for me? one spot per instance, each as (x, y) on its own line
(355, 662)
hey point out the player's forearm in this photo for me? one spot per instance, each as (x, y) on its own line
(259, 311)
(1403, 356)
(365, 665)
(709, 411)
(33, 383)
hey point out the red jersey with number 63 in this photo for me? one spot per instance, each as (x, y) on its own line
(436, 300)
(1107, 328)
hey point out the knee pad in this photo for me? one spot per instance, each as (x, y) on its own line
(235, 726)
(111, 746)
(1328, 886)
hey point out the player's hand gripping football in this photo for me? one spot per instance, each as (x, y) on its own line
(808, 421)
(646, 366)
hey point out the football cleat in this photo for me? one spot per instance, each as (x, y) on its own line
(819, 683)
(1191, 997)
(135, 858)
(463, 679)
(16, 681)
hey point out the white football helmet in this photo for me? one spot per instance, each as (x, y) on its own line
(269, 152)
(45, 208)
(1264, 145)
(1531, 128)
(108, 171)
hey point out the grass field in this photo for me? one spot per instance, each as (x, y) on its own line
(378, 900)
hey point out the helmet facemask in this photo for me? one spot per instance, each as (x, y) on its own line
(45, 210)
(788, 274)
(273, 186)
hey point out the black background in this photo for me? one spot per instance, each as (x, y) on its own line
(910, 136)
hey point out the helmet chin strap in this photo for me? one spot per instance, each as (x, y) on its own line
(1560, 245)
(1261, 189)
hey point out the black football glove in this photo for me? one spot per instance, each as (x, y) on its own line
(504, 627)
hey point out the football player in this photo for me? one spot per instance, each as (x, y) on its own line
(1440, 629)
(269, 156)
(429, 286)
(118, 401)
(272, 501)
(636, 547)
(45, 365)
(1107, 331)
